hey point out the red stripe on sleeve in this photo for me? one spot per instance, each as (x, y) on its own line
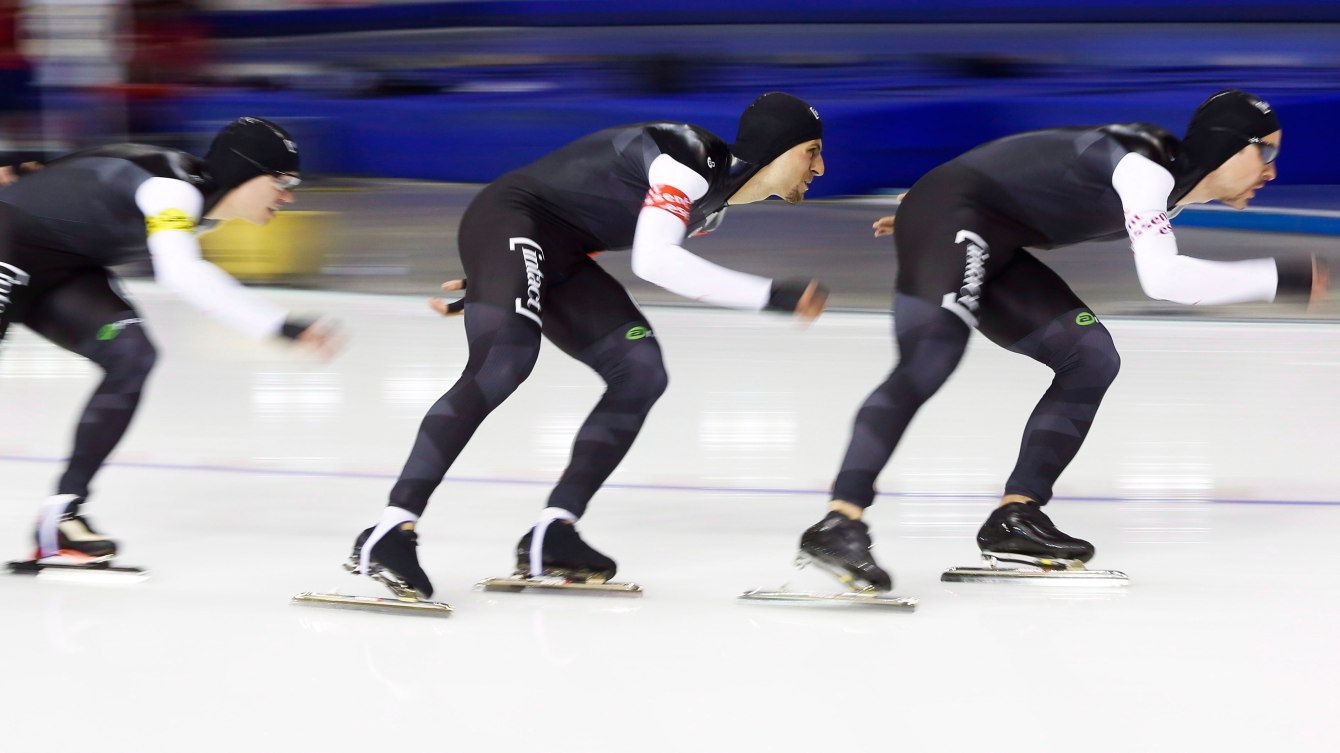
(670, 199)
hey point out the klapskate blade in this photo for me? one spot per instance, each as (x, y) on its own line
(1076, 577)
(98, 572)
(906, 603)
(516, 585)
(372, 604)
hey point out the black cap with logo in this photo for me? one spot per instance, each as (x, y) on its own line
(248, 147)
(772, 124)
(1222, 125)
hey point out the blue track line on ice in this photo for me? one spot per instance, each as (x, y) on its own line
(258, 471)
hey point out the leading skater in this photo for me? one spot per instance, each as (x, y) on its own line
(961, 232)
(63, 225)
(525, 243)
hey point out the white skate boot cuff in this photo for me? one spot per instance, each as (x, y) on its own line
(547, 516)
(48, 525)
(391, 517)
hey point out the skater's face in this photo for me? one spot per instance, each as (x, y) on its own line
(257, 200)
(1236, 181)
(795, 169)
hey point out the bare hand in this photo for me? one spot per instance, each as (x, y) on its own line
(812, 301)
(453, 308)
(1321, 279)
(324, 338)
(884, 225)
(10, 174)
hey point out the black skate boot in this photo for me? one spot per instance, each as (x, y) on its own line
(1022, 532)
(841, 546)
(561, 554)
(62, 533)
(393, 562)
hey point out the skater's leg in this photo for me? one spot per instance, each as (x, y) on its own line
(509, 260)
(1031, 311)
(592, 319)
(86, 316)
(948, 253)
(503, 350)
(931, 342)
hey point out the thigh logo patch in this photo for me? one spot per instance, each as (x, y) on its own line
(10, 277)
(968, 301)
(638, 333)
(1084, 319)
(532, 255)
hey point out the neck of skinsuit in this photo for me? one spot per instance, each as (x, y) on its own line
(1186, 176)
(213, 193)
(739, 174)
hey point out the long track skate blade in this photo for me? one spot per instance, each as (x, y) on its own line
(516, 585)
(373, 604)
(96, 572)
(905, 603)
(1070, 576)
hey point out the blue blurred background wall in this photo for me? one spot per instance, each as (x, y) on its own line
(464, 91)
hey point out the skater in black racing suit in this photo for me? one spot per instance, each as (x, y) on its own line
(527, 241)
(62, 226)
(961, 234)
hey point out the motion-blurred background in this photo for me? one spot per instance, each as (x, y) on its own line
(403, 109)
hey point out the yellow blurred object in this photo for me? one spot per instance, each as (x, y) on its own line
(293, 243)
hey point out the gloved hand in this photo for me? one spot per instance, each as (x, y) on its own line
(805, 298)
(451, 308)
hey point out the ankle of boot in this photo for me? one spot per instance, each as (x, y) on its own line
(847, 509)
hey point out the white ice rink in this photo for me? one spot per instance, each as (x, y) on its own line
(1211, 476)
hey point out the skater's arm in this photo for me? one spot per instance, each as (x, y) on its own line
(659, 256)
(171, 209)
(1144, 187)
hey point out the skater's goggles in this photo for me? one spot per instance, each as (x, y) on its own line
(283, 181)
(1269, 152)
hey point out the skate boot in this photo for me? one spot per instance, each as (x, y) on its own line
(63, 535)
(393, 561)
(841, 546)
(560, 553)
(552, 557)
(1022, 532)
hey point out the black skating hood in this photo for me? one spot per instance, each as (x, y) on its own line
(1218, 130)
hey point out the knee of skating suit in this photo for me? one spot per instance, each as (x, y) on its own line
(629, 360)
(503, 351)
(931, 343)
(1080, 351)
(126, 355)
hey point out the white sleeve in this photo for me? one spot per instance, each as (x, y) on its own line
(659, 256)
(171, 209)
(1144, 187)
